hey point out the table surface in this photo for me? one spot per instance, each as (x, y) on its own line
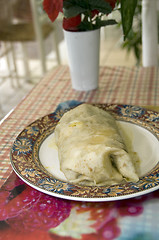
(52, 218)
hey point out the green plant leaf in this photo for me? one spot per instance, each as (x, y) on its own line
(86, 26)
(102, 23)
(100, 5)
(127, 13)
(72, 8)
(73, 11)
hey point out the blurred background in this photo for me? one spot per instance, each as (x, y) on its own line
(30, 46)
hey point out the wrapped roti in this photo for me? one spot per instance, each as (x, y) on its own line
(91, 151)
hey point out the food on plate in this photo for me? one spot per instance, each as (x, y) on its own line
(90, 148)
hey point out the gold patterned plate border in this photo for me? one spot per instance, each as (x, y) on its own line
(26, 164)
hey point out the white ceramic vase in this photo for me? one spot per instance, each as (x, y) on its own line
(83, 55)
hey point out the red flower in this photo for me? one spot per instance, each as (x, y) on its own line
(52, 8)
(71, 24)
(94, 13)
(112, 3)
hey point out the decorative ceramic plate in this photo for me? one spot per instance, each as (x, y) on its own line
(34, 156)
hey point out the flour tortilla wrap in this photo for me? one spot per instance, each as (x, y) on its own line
(90, 148)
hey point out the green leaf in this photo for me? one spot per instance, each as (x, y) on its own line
(103, 23)
(100, 5)
(86, 26)
(73, 11)
(127, 13)
(72, 8)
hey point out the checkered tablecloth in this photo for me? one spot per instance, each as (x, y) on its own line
(121, 85)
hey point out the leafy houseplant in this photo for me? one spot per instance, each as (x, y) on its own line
(133, 42)
(82, 20)
(80, 15)
(85, 15)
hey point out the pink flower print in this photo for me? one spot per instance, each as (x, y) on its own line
(109, 231)
(129, 208)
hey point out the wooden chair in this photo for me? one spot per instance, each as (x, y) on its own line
(27, 22)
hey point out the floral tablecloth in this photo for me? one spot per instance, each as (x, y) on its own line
(26, 213)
